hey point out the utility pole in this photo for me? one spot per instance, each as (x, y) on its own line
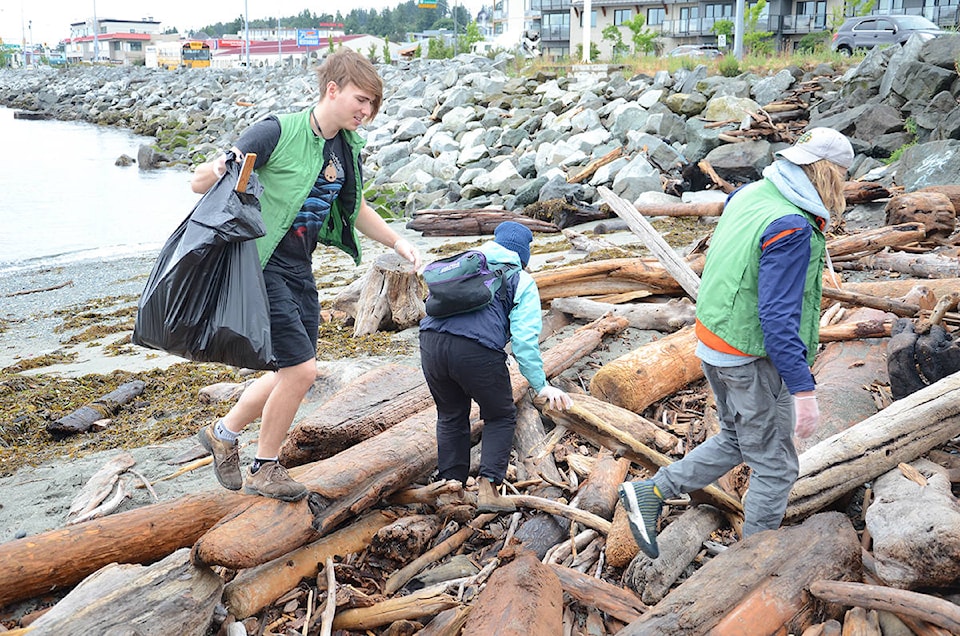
(279, 48)
(96, 41)
(738, 31)
(246, 29)
(587, 25)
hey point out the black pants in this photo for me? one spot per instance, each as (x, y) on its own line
(458, 370)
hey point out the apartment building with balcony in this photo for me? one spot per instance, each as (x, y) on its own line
(682, 22)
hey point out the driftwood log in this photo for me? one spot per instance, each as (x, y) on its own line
(903, 431)
(666, 317)
(700, 208)
(391, 297)
(863, 191)
(255, 588)
(927, 265)
(172, 596)
(679, 544)
(471, 222)
(897, 307)
(902, 602)
(655, 370)
(594, 592)
(416, 605)
(63, 557)
(913, 513)
(612, 276)
(595, 165)
(875, 240)
(898, 288)
(83, 419)
(757, 586)
(933, 209)
(523, 598)
(377, 400)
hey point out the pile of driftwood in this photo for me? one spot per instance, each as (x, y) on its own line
(870, 543)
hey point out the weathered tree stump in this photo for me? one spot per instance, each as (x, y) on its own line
(391, 297)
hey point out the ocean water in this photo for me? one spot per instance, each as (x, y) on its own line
(63, 200)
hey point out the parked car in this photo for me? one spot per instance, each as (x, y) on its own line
(868, 31)
(696, 50)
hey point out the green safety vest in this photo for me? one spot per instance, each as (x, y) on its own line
(291, 172)
(727, 303)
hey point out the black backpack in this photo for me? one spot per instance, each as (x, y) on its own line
(463, 283)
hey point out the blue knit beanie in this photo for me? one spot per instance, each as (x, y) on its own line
(516, 237)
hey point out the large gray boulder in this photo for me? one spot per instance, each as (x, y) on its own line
(929, 164)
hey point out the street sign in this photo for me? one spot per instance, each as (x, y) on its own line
(308, 37)
(427, 5)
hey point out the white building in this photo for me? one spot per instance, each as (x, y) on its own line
(107, 40)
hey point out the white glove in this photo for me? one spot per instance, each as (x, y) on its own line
(405, 249)
(556, 398)
(806, 415)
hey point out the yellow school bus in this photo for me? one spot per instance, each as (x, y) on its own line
(196, 54)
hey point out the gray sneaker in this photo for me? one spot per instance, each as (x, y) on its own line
(226, 458)
(272, 480)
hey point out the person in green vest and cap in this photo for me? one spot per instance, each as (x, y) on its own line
(308, 163)
(758, 317)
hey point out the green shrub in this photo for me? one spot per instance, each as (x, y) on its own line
(813, 42)
(729, 66)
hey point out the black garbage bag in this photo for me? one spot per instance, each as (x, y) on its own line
(205, 299)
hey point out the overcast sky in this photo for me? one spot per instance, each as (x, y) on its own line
(49, 20)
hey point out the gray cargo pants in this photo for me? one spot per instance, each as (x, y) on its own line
(756, 427)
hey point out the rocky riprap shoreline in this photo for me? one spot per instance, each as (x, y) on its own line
(465, 133)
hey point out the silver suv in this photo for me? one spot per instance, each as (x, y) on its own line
(868, 31)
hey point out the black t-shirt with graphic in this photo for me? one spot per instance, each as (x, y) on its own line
(294, 253)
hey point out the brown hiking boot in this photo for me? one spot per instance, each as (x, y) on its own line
(226, 458)
(272, 480)
(489, 500)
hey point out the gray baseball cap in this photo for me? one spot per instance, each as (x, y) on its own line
(819, 143)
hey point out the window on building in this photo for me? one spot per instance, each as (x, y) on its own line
(656, 16)
(718, 11)
(136, 46)
(689, 19)
(622, 15)
(555, 26)
(812, 14)
(593, 20)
